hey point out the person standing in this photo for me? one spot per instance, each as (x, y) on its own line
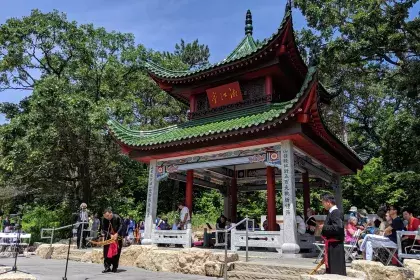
(112, 227)
(333, 235)
(184, 215)
(83, 221)
(95, 226)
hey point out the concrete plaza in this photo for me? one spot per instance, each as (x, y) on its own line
(44, 269)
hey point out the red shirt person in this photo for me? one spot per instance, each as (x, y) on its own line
(413, 225)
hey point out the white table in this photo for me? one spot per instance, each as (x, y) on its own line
(380, 242)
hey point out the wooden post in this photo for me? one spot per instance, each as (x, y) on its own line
(192, 103)
(271, 199)
(268, 85)
(306, 193)
(189, 190)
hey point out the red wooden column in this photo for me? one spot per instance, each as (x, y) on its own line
(306, 193)
(271, 199)
(234, 199)
(192, 103)
(268, 85)
(189, 190)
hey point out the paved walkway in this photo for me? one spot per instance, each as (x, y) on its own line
(54, 269)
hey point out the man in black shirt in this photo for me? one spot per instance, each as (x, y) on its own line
(112, 227)
(397, 224)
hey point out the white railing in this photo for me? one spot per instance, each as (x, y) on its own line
(53, 230)
(226, 233)
(257, 239)
(178, 237)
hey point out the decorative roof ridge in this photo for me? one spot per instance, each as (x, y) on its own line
(247, 45)
(168, 73)
(139, 133)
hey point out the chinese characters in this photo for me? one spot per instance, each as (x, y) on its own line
(224, 95)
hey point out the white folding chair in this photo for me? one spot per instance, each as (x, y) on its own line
(415, 247)
(320, 247)
(349, 248)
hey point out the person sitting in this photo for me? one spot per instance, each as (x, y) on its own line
(351, 230)
(310, 222)
(362, 219)
(221, 225)
(413, 225)
(301, 226)
(390, 232)
(175, 225)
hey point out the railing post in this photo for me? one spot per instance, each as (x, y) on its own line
(205, 243)
(226, 245)
(52, 237)
(246, 237)
(232, 237)
(81, 234)
(189, 235)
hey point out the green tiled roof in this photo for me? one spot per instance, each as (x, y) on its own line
(245, 118)
(246, 48)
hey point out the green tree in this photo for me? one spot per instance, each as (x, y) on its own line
(368, 52)
(56, 146)
(193, 54)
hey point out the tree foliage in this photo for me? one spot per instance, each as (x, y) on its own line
(368, 52)
(55, 146)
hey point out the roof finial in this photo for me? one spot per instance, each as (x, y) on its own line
(289, 5)
(248, 23)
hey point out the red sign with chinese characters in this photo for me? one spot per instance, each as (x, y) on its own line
(224, 95)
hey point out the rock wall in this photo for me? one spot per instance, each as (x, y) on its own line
(415, 266)
(187, 261)
(377, 271)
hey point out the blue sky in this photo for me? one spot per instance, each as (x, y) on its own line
(159, 24)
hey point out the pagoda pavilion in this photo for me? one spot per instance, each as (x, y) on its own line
(255, 123)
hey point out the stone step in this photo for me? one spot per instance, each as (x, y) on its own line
(246, 275)
(274, 269)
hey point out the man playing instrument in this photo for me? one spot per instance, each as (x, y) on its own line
(333, 235)
(112, 227)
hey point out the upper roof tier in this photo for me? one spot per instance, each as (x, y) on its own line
(248, 51)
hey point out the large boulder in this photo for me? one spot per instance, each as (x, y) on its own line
(87, 257)
(220, 257)
(129, 255)
(187, 261)
(191, 261)
(60, 250)
(356, 274)
(216, 269)
(327, 277)
(17, 276)
(377, 271)
(97, 256)
(413, 265)
(44, 251)
(144, 257)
